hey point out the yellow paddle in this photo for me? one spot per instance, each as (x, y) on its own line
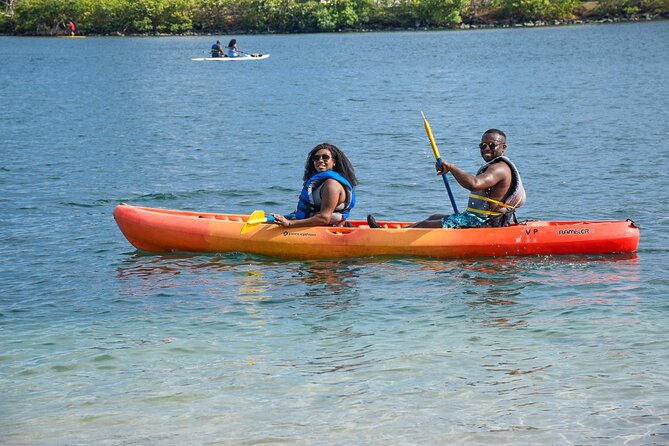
(258, 217)
(439, 161)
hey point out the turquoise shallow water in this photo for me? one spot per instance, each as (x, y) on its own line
(102, 344)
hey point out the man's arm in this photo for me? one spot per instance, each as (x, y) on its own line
(491, 177)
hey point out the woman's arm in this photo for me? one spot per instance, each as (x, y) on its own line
(332, 194)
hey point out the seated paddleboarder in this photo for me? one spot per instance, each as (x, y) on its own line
(232, 48)
(217, 49)
(497, 190)
(328, 194)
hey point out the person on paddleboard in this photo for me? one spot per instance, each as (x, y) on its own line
(71, 27)
(217, 49)
(232, 48)
(496, 190)
(328, 193)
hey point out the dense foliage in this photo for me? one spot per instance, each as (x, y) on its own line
(539, 9)
(48, 17)
(627, 8)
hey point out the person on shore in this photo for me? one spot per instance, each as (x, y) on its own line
(71, 27)
(496, 190)
(232, 48)
(328, 193)
(217, 49)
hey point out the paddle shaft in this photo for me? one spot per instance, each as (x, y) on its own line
(448, 186)
(435, 150)
(250, 54)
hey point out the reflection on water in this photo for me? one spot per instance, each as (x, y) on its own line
(495, 293)
(145, 275)
(252, 276)
(253, 286)
(495, 281)
(504, 339)
(316, 299)
(506, 292)
(336, 276)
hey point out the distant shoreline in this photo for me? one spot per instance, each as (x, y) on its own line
(465, 25)
(568, 22)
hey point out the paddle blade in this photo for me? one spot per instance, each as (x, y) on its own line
(428, 130)
(439, 161)
(256, 218)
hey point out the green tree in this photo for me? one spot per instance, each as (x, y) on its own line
(161, 15)
(178, 16)
(46, 16)
(631, 7)
(343, 13)
(539, 9)
(441, 12)
(218, 15)
(104, 17)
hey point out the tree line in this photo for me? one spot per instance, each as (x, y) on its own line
(48, 17)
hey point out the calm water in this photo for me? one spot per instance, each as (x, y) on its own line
(101, 344)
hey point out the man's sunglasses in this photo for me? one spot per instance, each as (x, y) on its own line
(490, 144)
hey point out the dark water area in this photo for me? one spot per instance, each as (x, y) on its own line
(104, 344)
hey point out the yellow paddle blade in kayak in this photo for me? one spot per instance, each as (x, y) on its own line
(439, 161)
(256, 218)
(429, 135)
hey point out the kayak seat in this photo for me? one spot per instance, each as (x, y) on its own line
(501, 220)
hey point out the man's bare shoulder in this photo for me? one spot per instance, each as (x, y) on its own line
(499, 169)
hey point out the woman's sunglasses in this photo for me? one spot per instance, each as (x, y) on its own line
(325, 158)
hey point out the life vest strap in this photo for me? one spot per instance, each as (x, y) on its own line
(484, 212)
(490, 200)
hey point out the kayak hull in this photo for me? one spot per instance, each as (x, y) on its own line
(232, 59)
(164, 230)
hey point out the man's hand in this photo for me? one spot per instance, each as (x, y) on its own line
(443, 170)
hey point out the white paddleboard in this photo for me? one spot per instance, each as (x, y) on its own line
(234, 59)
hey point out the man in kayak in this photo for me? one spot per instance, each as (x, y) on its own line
(217, 49)
(496, 190)
(328, 193)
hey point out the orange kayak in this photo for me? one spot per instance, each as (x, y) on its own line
(164, 230)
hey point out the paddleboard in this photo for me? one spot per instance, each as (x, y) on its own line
(234, 59)
(72, 37)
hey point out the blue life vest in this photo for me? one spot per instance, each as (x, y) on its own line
(480, 202)
(309, 203)
(216, 50)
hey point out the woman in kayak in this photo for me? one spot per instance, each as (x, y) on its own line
(328, 194)
(232, 48)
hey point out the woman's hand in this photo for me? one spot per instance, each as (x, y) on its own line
(281, 220)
